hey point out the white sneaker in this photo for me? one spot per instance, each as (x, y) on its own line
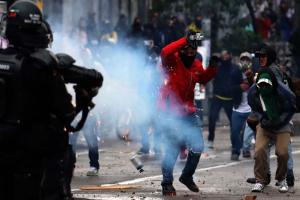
(92, 172)
(258, 187)
(282, 186)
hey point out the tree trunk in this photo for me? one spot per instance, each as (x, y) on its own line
(252, 15)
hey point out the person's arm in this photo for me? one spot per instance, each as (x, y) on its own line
(277, 72)
(237, 85)
(62, 106)
(254, 118)
(61, 100)
(168, 52)
(203, 76)
(250, 76)
(207, 75)
(289, 106)
(253, 103)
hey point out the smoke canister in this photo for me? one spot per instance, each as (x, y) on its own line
(137, 163)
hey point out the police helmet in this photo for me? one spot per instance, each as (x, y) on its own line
(25, 26)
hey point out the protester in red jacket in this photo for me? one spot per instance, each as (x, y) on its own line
(178, 121)
(182, 72)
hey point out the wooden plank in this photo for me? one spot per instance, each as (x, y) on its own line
(109, 187)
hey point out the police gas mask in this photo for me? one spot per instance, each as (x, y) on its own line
(245, 64)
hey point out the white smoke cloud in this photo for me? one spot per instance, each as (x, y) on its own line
(128, 96)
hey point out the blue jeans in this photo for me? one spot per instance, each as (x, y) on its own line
(238, 121)
(290, 160)
(177, 132)
(143, 129)
(248, 136)
(148, 141)
(92, 142)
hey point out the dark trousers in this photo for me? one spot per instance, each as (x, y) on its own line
(18, 184)
(36, 178)
(57, 177)
(297, 60)
(31, 170)
(214, 110)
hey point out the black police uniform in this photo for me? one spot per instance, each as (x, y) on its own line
(36, 162)
(34, 109)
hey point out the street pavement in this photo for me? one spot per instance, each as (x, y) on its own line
(217, 176)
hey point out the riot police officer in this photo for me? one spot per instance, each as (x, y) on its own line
(35, 108)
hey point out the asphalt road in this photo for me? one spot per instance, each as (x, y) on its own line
(217, 176)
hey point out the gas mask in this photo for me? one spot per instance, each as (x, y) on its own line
(245, 65)
(187, 58)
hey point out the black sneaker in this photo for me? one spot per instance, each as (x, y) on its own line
(253, 180)
(234, 157)
(246, 154)
(290, 179)
(168, 190)
(189, 183)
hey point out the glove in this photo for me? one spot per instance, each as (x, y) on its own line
(194, 39)
(83, 98)
(265, 123)
(249, 73)
(214, 61)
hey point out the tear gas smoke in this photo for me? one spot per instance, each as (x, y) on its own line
(126, 103)
(128, 96)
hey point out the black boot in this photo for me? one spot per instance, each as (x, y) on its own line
(189, 183)
(290, 179)
(253, 180)
(187, 173)
(168, 190)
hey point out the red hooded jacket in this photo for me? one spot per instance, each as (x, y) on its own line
(177, 92)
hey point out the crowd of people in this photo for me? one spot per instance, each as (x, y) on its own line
(232, 81)
(274, 20)
(166, 42)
